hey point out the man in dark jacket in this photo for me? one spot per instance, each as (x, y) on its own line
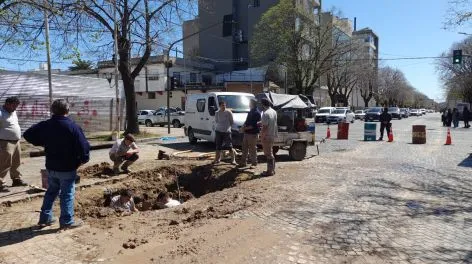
(251, 131)
(66, 149)
(385, 119)
(466, 115)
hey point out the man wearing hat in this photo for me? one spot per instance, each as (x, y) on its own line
(251, 131)
(10, 150)
(268, 135)
(124, 151)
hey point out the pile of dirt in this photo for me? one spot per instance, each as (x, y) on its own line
(101, 170)
(183, 183)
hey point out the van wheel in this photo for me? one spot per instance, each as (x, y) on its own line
(176, 123)
(297, 151)
(148, 123)
(191, 137)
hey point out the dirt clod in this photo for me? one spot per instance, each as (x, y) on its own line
(173, 222)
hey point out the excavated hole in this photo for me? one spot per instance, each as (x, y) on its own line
(194, 181)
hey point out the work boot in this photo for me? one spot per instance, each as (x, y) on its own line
(125, 169)
(116, 171)
(18, 183)
(72, 226)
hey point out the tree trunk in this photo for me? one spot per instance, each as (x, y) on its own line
(131, 117)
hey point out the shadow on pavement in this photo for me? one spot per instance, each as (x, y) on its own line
(20, 235)
(467, 162)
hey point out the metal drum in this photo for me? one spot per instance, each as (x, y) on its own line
(343, 130)
(419, 134)
(370, 131)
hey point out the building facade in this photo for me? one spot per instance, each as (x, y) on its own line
(233, 52)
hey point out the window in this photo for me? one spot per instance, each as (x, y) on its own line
(201, 105)
(212, 106)
(151, 95)
(256, 3)
(193, 77)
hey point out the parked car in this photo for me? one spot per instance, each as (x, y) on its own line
(323, 114)
(160, 118)
(142, 115)
(404, 113)
(415, 112)
(395, 112)
(373, 114)
(360, 114)
(423, 111)
(341, 115)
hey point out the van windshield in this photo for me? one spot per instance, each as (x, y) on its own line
(236, 103)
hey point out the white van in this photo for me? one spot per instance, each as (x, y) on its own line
(200, 114)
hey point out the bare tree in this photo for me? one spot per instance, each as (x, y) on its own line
(459, 13)
(142, 25)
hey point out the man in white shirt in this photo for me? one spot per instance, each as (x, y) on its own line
(123, 202)
(223, 140)
(268, 135)
(124, 150)
(10, 150)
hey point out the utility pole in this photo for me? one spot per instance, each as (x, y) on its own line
(48, 52)
(117, 90)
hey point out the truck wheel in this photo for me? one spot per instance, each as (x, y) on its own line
(275, 149)
(297, 151)
(148, 123)
(191, 137)
(176, 123)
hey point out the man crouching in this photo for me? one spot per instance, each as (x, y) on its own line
(124, 150)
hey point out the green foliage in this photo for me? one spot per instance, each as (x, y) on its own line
(80, 64)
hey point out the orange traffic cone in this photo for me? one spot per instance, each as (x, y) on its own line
(448, 138)
(328, 133)
(390, 135)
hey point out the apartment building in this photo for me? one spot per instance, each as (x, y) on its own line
(232, 51)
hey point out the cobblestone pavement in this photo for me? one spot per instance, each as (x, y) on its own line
(358, 202)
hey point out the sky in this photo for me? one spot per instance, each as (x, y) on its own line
(406, 28)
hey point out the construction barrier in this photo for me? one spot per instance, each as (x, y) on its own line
(419, 134)
(343, 130)
(370, 131)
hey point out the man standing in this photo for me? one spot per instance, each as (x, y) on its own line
(10, 150)
(251, 130)
(124, 150)
(223, 140)
(385, 119)
(66, 149)
(268, 135)
(466, 116)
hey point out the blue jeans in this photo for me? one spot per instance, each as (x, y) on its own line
(62, 184)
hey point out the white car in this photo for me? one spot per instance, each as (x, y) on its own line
(323, 114)
(143, 115)
(341, 115)
(423, 111)
(360, 114)
(415, 112)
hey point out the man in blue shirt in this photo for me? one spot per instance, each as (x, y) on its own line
(251, 131)
(66, 149)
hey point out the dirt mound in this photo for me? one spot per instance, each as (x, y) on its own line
(181, 182)
(103, 169)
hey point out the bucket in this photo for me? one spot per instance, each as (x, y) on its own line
(419, 134)
(370, 131)
(44, 179)
(343, 130)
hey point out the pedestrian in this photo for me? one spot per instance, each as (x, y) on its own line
(449, 117)
(251, 131)
(124, 150)
(223, 140)
(455, 117)
(444, 117)
(66, 150)
(466, 116)
(268, 135)
(10, 149)
(385, 119)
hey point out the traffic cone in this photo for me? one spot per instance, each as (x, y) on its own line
(390, 135)
(448, 138)
(328, 133)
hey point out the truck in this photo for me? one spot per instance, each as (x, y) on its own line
(160, 118)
